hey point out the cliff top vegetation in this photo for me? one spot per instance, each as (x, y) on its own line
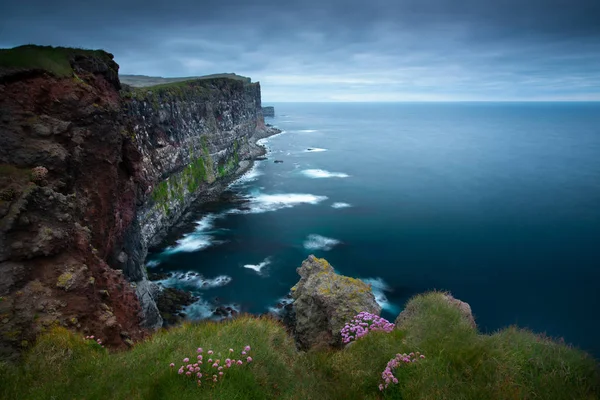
(459, 363)
(55, 60)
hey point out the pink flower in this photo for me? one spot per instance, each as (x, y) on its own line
(210, 360)
(195, 365)
(210, 352)
(220, 374)
(91, 337)
(249, 359)
(199, 375)
(220, 368)
(188, 373)
(171, 365)
(199, 382)
(239, 362)
(199, 350)
(247, 348)
(180, 371)
(243, 353)
(215, 365)
(186, 359)
(199, 357)
(422, 356)
(381, 387)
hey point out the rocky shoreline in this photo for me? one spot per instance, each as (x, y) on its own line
(170, 301)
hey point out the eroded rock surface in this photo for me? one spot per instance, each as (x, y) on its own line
(325, 301)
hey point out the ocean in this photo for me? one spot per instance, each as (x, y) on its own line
(498, 203)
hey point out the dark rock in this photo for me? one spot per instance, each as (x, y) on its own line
(260, 158)
(278, 161)
(170, 302)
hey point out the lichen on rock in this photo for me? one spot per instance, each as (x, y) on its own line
(324, 301)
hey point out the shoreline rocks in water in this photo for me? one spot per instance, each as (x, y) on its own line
(170, 303)
(278, 161)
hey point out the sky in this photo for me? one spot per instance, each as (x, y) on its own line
(336, 50)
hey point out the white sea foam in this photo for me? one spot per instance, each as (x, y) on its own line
(318, 242)
(258, 267)
(307, 130)
(378, 286)
(314, 150)
(261, 203)
(193, 280)
(249, 176)
(321, 173)
(152, 263)
(197, 240)
(200, 309)
(284, 302)
(341, 205)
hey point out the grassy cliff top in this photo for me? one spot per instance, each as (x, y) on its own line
(55, 60)
(459, 363)
(139, 81)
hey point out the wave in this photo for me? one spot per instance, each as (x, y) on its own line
(198, 310)
(378, 286)
(261, 203)
(193, 280)
(259, 267)
(321, 173)
(197, 240)
(249, 176)
(314, 150)
(152, 263)
(281, 303)
(318, 242)
(341, 205)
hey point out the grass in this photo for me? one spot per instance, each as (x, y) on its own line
(55, 60)
(146, 81)
(460, 364)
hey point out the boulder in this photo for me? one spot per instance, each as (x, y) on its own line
(324, 302)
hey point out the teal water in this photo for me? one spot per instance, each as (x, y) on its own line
(498, 203)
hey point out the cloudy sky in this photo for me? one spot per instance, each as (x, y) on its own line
(339, 50)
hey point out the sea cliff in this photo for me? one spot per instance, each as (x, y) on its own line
(92, 173)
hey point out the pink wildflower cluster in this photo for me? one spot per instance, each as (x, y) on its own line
(98, 341)
(362, 324)
(388, 376)
(211, 368)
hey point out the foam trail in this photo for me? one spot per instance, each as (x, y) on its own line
(260, 266)
(152, 263)
(261, 203)
(249, 176)
(194, 281)
(318, 242)
(198, 310)
(314, 150)
(284, 302)
(341, 205)
(321, 173)
(197, 240)
(378, 286)
(307, 130)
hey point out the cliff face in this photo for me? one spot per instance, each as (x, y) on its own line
(90, 176)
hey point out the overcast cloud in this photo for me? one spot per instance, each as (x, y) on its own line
(320, 50)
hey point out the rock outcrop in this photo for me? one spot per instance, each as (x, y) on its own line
(91, 174)
(324, 302)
